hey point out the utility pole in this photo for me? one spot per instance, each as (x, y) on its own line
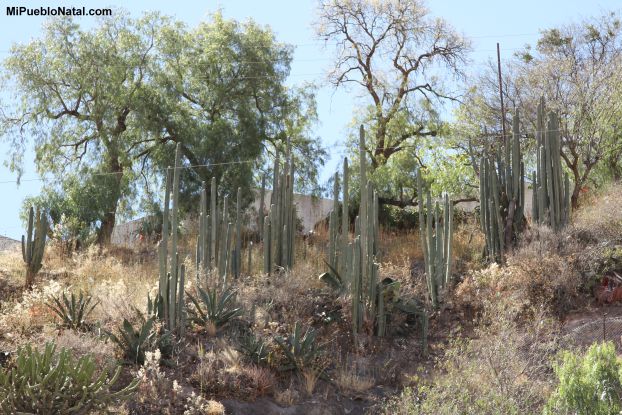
(505, 137)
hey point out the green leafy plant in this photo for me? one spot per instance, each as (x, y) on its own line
(210, 307)
(72, 311)
(49, 383)
(134, 341)
(256, 349)
(300, 349)
(588, 384)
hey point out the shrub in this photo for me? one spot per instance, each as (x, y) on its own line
(504, 370)
(588, 384)
(45, 383)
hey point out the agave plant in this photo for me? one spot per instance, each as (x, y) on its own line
(210, 307)
(300, 349)
(332, 279)
(134, 341)
(72, 311)
(256, 349)
(155, 307)
(50, 383)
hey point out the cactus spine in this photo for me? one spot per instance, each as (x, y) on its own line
(33, 245)
(436, 240)
(551, 196)
(172, 279)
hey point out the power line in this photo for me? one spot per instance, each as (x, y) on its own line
(120, 172)
(335, 43)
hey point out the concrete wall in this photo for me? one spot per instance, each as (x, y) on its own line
(126, 233)
(310, 210)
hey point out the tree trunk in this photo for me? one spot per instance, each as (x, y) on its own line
(574, 199)
(30, 277)
(104, 233)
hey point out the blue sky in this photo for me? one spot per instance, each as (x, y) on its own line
(486, 22)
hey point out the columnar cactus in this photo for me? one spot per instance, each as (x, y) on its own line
(502, 195)
(33, 245)
(354, 262)
(436, 239)
(279, 227)
(551, 196)
(172, 274)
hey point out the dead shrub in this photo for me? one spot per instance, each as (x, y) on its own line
(220, 373)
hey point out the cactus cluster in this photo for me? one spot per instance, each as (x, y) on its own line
(436, 231)
(279, 225)
(33, 245)
(354, 261)
(47, 382)
(551, 197)
(172, 273)
(502, 194)
(213, 253)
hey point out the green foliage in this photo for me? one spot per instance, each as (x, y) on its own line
(134, 342)
(588, 385)
(109, 102)
(300, 349)
(49, 383)
(214, 307)
(577, 67)
(395, 180)
(73, 313)
(391, 51)
(222, 94)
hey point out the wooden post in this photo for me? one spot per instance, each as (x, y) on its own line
(505, 137)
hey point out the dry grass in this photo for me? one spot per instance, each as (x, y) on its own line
(600, 216)
(503, 369)
(353, 377)
(288, 396)
(220, 372)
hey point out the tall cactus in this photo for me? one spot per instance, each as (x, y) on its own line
(551, 195)
(354, 261)
(502, 195)
(213, 253)
(279, 227)
(33, 245)
(172, 274)
(436, 240)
